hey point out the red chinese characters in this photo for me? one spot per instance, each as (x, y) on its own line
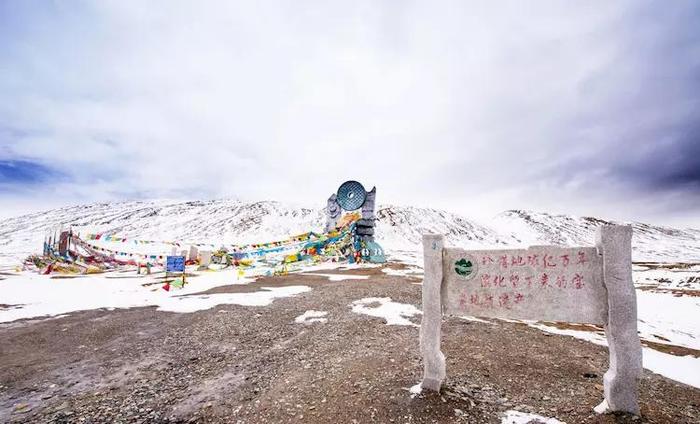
(542, 281)
(565, 260)
(514, 280)
(561, 281)
(499, 281)
(509, 281)
(503, 301)
(581, 258)
(548, 261)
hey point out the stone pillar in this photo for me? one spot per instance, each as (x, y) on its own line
(365, 226)
(430, 329)
(368, 206)
(193, 253)
(204, 258)
(621, 381)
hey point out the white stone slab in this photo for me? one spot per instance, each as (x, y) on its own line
(204, 257)
(193, 253)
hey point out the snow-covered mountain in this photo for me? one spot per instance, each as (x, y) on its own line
(214, 221)
(399, 227)
(402, 227)
(649, 242)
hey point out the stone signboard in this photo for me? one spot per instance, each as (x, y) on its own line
(540, 283)
(547, 283)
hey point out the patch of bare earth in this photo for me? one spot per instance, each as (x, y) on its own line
(668, 348)
(255, 365)
(667, 265)
(675, 292)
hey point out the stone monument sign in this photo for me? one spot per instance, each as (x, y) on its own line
(548, 283)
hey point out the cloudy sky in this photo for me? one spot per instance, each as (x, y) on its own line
(573, 107)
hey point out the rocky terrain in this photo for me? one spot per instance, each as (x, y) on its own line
(342, 362)
(253, 364)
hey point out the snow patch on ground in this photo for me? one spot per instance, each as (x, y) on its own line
(675, 278)
(40, 295)
(589, 336)
(413, 271)
(666, 318)
(393, 313)
(311, 316)
(416, 389)
(339, 277)
(475, 319)
(344, 265)
(684, 369)
(517, 417)
(263, 297)
(410, 255)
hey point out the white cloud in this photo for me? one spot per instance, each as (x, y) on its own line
(474, 107)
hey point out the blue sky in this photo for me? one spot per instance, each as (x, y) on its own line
(16, 174)
(589, 108)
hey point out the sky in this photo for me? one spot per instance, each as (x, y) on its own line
(585, 108)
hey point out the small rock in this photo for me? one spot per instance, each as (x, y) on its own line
(23, 407)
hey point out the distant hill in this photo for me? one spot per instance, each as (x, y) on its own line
(398, 228)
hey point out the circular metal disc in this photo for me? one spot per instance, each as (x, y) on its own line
(351, 195)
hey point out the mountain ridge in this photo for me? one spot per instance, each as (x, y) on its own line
(398, 228)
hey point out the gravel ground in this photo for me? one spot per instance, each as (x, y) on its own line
(255, 365)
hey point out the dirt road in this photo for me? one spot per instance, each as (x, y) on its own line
(255, 364)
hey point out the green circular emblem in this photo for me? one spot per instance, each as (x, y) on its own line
(464, 267)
